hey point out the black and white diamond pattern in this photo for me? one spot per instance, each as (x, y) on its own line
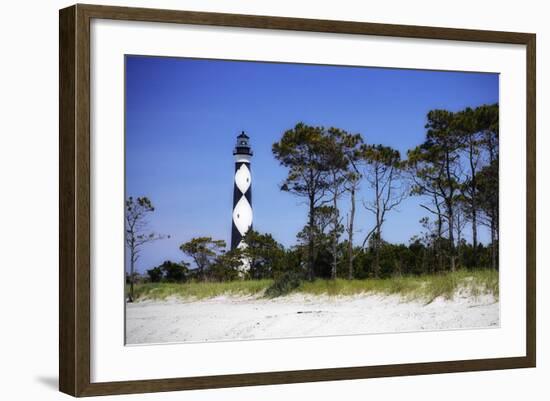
(242, 204)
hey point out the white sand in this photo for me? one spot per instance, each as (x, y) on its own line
(242, 318)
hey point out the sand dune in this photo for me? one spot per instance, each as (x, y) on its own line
(243, 318)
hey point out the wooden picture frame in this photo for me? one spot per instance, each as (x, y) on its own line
(74, 202)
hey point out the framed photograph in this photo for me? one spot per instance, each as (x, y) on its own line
(249, 200)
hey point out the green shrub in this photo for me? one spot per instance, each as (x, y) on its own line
(285, 284)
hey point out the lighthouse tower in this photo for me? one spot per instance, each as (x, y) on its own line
(242, 192)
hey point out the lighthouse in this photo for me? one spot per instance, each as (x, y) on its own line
(242, 192)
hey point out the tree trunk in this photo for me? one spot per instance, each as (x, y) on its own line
(439, 235)
(132, 261)
(311, 245)
(496, 236)
(451, 239)
(376, 241)
(474, 231)
(334, 233)
(493, 245)
(459, 239)
(377, 252)
(473, 203)
(491, 146)
(449, 204)
(350, 233)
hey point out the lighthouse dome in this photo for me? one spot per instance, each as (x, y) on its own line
(243, 135)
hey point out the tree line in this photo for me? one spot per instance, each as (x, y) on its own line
(454, 172)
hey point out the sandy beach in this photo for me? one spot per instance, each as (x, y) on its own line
(246, 317)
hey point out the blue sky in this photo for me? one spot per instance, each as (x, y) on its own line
(183, 115)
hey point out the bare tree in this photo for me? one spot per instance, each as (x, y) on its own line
(342, 160)
(352, 187)
(137, 233)
(337, 166)
(352, 152)
(383, 173)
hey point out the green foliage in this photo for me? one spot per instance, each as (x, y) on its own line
(174, 272)
(170, 272)
(487, 119)
(155, 274)
(382, 155)
(487, 180)
(293, 261)
(323, 231)
(203, 251)
(269, 260)
(417, 259)
(265, 255)
(285, 284)
(305, 152)
(437, 171)
(140, 205)
(134, 278)
(226, 266)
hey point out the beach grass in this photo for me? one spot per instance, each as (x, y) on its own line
(425, 288)
(199, 290)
